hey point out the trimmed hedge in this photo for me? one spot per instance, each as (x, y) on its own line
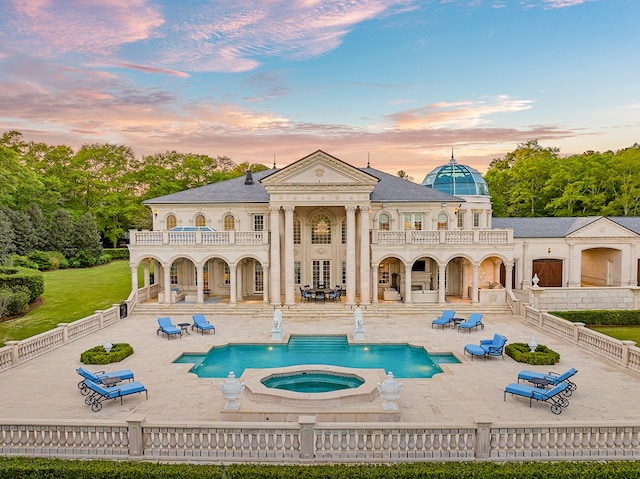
(98, 355)
(15, 278)
(601, 317)
(118, 253)
(521, 352)
(45, 468)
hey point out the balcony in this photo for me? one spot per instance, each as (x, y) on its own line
(204, 238)
(442, 237)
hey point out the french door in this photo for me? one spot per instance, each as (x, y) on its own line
(321, 272)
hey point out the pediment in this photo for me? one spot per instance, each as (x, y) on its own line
(319, 168)
(602, 228)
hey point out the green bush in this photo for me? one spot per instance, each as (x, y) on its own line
(17, 301)
(103, 259)
(521, 352)
(118, 253)
(21, 262)
(83, 259)
(48, 260)
(13, 278)
(98, 355)
(601, 317)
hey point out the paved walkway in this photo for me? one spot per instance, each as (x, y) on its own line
(45, 388)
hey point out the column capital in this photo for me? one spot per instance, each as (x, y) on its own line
(289, 208)
(274, 209)
(350, 208)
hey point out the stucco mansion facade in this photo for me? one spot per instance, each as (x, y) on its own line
(377, 236)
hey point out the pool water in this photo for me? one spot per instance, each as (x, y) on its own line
(312, 382)
(404, 360)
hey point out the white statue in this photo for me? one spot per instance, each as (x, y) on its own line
(535, 280)
(358, 328)
(232, 392)
(390, 389)
(276, 326)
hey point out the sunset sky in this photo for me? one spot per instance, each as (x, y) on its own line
(400, 82)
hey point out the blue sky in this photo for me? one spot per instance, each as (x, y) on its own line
(398, 82)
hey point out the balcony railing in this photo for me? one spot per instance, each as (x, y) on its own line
(451, 237)
(158, 238)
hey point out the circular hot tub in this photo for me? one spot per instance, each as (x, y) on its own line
(312, 385)
(312, 381)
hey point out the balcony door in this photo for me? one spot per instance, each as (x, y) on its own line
(321, 272)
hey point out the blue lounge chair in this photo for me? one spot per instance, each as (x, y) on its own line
(475, 320)
(551, 378)
(165, 326)
(201, 323)
(495, 346)
(545, 395)
(100, 393)
(445, 318)
(100, 376)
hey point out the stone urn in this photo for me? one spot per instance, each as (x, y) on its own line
(389, 390)
(232, 392)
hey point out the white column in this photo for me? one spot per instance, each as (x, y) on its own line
(167, 282)
(508, 277)
(146, 273)
(442, 298)
(289, 285)
(474, 283)
(365, 262)
(265, 283)
(407, 284)
(274, 261)
(465, 279)
(526, 266)
(239, 279)
(574, 268)
(134, 277)
(233, 284)
(374, 283)
(351, 254)
(200, 285)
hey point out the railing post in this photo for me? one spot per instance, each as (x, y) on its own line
(65, 332)
(100, 314)
(307, 443)
(136, 436)
(15, 357)
(483, 439)
(626, 344)
(576, 329)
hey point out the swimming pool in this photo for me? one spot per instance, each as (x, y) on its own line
(405, 360)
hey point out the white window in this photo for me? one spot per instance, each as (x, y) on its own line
(476, 219)
(383, 272)
(383, 222)
(461, 220)
(443, 221)
(413, 221)
(297, 232)
(258, 222)
(321, 229)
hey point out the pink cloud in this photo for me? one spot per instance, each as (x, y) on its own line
(147, 69)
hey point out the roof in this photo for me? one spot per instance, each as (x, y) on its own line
(390, 189)
(456, 179)
(552, 227)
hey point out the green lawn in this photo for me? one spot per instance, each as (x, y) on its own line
(620, 332)
(69, 295)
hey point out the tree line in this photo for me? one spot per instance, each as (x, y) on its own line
(55, 198)
(536, 181)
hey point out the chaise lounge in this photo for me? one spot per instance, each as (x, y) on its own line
(487, 347)
(551, 378)
(545, 395)
(113, 377)
(100, 393)
(475, 320)
(201, 323)
(445, 318)
(165, 326)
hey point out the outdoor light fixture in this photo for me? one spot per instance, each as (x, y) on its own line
(548, 250)
(155, 213)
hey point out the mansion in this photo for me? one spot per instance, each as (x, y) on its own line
(322, 222)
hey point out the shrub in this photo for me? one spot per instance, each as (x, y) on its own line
(104, 259)
(521, 352)
(98, 355)
(118, 253)
(601, 318)
(83, 259)
(21, 262)
(17, 301)
(14, 277)
(47, 260)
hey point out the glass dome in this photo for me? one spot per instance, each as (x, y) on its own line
(457, 180)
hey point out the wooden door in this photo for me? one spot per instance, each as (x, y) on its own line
(549, 272)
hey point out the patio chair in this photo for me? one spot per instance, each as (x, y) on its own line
(305, 294)
(100, 393)
(475, 320)
(201, 323)
(545, 395)
(551, 378)
(445, 318)
(334, 295)
(165, 326)
(99, 376)
(495, 346)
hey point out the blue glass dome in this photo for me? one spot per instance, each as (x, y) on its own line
(457, 180)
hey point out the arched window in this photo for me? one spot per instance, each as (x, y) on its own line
(321, 229)
(171, 221)
(200, 220)
(443, 221)
(383, 222)
(229, 222)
